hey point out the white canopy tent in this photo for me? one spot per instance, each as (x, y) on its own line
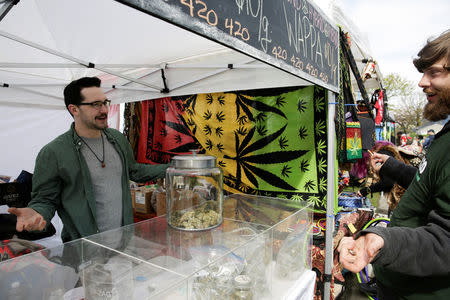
(47, 43)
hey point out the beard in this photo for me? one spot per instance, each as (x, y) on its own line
(439, 110)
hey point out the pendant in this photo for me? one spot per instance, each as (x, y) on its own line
(103, 165)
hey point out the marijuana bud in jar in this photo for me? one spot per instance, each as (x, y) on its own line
(242, 288)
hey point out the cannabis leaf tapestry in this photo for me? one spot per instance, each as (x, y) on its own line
(353, 145)
(162, 133)
(269, 142)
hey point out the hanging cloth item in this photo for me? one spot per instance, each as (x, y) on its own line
(367, 129)
(270, 142)
(353, 144)
(379, 107)
(369, 70)
(345, 109)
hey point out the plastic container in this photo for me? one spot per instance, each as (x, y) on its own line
(108, 281)
(17, 291)
(194, 196)
(242, 288)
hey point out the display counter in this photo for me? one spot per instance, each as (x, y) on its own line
(260, 251)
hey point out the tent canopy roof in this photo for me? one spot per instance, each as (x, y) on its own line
(129, 50)
(50, 43)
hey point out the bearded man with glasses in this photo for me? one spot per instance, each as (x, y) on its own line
(84, 173)
(411, 257)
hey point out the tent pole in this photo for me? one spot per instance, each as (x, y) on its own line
(330, 195)
(32, 92)
(18, 85)
(6, 7)
(222, 66)
(203, 76)
(126, 83)
(192, 80)
(71, 58)
(33, 105)
(142, 66)
(74, 65)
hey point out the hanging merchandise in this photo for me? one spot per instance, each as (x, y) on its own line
(345, 108)
(269, 142)
(350, 59)
(366, 117)
(369, 70)
(367, 127)
(378, 99)
(351, 149)
(379, 133)
(353, 144)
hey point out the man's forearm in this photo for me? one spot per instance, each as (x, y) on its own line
(422, 251)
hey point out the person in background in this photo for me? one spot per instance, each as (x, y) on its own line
(84, 173)
(420, 141)
(411, 256)
(398, 140)
(403, 140)
(409, 140)
(429, 139)
(387, 183)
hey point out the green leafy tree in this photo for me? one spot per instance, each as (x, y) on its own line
(397, 86)
(408, 111)
(406, 104)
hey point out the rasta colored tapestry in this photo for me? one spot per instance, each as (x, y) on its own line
(353, 144)
(163, 132)
(269, 142)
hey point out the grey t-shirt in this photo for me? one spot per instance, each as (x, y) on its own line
(106, 182)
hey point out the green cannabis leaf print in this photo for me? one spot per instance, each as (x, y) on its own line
(268, 142)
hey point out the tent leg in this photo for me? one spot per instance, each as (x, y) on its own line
(330, 195)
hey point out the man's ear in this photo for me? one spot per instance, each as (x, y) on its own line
(73, 109)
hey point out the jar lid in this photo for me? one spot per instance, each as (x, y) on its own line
(243, 281)
(194, 161)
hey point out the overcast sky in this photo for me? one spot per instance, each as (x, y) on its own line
(398, 29)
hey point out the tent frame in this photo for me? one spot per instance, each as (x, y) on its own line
(78, 63)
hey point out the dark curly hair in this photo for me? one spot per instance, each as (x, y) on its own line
(72, 92)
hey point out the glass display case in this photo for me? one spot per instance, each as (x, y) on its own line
(260, 250)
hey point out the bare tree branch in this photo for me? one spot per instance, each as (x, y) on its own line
(408, 111)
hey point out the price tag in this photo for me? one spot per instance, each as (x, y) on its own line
(140, 197)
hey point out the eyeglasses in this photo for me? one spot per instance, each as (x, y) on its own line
(436, 71)
(98, 104)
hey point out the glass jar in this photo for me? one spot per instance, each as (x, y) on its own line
(242, 288)
(194, 196)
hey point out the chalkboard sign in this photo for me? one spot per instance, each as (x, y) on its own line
(293, 35)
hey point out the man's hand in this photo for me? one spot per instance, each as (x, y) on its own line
(354, 255)
(28, 219)
(377, 160)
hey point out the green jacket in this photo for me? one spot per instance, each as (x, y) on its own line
(62, 183)
(420, 221)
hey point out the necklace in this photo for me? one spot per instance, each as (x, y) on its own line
(102, 161)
